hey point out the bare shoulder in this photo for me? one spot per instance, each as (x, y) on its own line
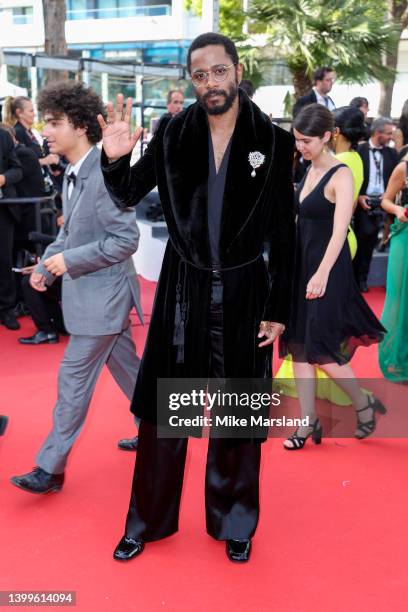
(342, 176)
(400, 170)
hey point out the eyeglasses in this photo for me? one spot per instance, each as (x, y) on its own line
(218, 74)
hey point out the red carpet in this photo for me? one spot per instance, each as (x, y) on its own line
(332, 536)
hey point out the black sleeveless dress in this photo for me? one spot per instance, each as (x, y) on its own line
(327, 329)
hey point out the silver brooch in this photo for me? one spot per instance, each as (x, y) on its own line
(256, 159)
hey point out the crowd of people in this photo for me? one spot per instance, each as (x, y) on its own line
(225, 175)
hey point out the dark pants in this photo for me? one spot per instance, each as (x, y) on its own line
(366, 228)
(44, 307)
(232, 472)
(7, 281)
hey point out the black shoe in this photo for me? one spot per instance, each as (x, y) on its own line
(127, 549)
(128, 444)
(298, 442)
(41, 337)
(363, 286)
(3, 424)
(238, 550)
(366, 428)
(9, 320)
(39, 481)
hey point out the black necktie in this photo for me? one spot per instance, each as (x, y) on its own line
(32, 136)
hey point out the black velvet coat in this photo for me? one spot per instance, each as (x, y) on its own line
(256, 210)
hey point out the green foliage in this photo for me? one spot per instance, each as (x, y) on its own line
(349, 35)
(254, 63)
(232, 19)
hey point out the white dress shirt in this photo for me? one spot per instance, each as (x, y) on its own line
(75, 169)
(324, 100)
(375, 185)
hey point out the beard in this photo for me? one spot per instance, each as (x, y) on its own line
(229, 97)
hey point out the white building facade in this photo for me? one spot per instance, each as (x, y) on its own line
(151, 31)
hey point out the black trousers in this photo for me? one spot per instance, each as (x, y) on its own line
(366, 228)
(232, 471)
(7, 281)
(45, 309)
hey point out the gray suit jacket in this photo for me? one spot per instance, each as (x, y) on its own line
(98, 241)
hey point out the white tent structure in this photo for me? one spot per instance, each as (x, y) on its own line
(8, 89)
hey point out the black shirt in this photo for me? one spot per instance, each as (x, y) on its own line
(216, 187)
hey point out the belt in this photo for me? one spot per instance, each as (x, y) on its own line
(181, 312)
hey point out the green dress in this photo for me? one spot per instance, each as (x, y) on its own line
(393, 351)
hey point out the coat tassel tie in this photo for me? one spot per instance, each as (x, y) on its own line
(181, 312)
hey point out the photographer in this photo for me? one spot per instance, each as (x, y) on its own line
(379, 161)
(10, 174)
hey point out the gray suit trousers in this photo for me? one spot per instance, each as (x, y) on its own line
(81, 366)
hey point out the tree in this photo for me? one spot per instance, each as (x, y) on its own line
(54, 34)
(232, 20)
(348, 35)
(398, 16)
(232, 17)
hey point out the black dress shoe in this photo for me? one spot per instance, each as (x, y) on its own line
(363, 286)
(3, 424)
(128, 444)
(9, 320)
(127, 549)
(41, 337)
(238, 550)
(39, 481)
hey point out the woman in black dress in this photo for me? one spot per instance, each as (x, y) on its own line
(329, 319)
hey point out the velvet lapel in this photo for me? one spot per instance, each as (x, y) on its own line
(242, 191)
(186, 165)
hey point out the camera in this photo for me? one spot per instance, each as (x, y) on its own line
(374, 202)
(26, 259)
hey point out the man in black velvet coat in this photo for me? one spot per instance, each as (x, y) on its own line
(218, 308)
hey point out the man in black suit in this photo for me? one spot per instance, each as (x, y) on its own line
(379, 160)
(323, 79)
(10, 174)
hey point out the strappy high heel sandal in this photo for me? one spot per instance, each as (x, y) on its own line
(365, 429)
(299, 441)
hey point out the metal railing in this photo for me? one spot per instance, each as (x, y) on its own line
(153, 10)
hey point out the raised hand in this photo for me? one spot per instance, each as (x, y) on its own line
(117, 137)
